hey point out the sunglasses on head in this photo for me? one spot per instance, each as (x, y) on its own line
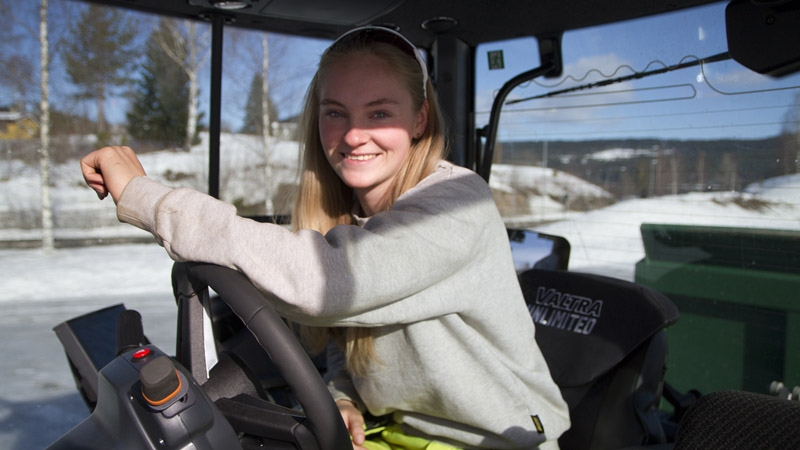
(386, 36)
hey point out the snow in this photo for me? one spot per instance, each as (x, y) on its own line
(38, 400)
(614, 154)
(608, 241)
(540, 186)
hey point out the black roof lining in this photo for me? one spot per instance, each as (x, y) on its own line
(477, 21)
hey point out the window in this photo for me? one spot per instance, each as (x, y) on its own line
(685, 181)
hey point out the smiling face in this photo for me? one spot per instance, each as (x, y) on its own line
(367, 122)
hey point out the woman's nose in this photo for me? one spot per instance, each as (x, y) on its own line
(355, 136)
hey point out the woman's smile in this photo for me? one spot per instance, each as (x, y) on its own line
(360, 157)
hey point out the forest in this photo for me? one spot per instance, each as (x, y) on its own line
(653, 167)
(78, 76)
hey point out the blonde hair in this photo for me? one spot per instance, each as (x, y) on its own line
(325, 201)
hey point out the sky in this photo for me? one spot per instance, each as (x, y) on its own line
(292, 61)
(721, 100)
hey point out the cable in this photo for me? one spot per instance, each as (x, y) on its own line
(636, 75)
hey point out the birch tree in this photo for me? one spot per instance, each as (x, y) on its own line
(259, 105)
(185, 45)
(265, 118)
(48, 240)
(21, 73)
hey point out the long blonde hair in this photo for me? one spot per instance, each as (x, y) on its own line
(325, 201)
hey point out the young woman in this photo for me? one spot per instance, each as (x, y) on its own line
(398, 258)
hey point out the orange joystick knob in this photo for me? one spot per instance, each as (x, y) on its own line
(160, 381)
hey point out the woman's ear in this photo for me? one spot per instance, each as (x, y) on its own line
(421, 122)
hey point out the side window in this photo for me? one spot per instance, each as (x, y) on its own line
(663, 162)
(114, 77)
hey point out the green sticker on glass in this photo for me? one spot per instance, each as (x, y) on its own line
(496, 60)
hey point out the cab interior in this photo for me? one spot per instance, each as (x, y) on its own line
(684, 221)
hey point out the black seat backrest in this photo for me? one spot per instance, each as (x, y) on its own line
(604, 343)
(738, 420)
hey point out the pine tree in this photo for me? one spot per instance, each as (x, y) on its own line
(100, 54)
(160, 106)
(252, 123)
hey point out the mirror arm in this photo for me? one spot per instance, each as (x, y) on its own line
(550, 66)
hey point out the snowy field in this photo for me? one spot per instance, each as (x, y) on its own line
(38, 400)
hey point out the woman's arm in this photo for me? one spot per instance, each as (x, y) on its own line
(371, 275)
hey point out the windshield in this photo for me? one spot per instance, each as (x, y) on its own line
(685, 181)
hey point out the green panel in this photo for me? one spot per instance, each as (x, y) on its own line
(705, 361)
(716, 346)
(738, 294)
(749, 287)
(792, 369)
(742, 248)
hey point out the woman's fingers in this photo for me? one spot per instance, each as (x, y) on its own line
(354, 421)
(93, 177)
(109, 169)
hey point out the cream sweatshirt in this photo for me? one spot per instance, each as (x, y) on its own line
(433, 276)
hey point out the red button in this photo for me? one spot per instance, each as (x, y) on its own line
(139, 354)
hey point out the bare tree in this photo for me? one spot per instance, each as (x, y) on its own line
(265, 119)
(259, 62)
(21, 73)
(185, 46)
(48, 240)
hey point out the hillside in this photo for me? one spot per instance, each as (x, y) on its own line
(650, 167)
(520, 191)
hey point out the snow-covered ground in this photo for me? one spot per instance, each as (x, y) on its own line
(38, 400)
(608, 241)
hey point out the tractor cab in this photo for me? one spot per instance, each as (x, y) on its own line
(643, 155)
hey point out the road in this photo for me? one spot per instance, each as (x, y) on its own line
(38, 399)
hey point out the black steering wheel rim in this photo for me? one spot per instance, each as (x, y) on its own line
(260, 318)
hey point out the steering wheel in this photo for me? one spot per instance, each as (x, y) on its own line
(190, 282)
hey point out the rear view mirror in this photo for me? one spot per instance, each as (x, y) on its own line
(763, 35)
(538, 250)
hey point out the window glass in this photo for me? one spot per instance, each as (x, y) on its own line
(685, 181)
(118, 77)
(114, 77)
(258, 171)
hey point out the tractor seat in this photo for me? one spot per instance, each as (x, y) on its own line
(604, 342)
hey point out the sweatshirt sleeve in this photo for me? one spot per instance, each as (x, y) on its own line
(352, 276)
(339, 382)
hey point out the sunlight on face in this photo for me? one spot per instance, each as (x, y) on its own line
(366, 124)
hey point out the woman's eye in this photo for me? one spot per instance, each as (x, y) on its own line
(333, 113)
(380, 115)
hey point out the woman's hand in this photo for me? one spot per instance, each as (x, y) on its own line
(354, 421)
(109, 170)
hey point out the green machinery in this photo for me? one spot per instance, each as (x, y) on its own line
(738, 292)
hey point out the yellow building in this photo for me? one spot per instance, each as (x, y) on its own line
(15, 125)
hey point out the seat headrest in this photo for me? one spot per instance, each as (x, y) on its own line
(586, 324)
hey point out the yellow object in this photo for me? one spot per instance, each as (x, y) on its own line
(393, 438)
